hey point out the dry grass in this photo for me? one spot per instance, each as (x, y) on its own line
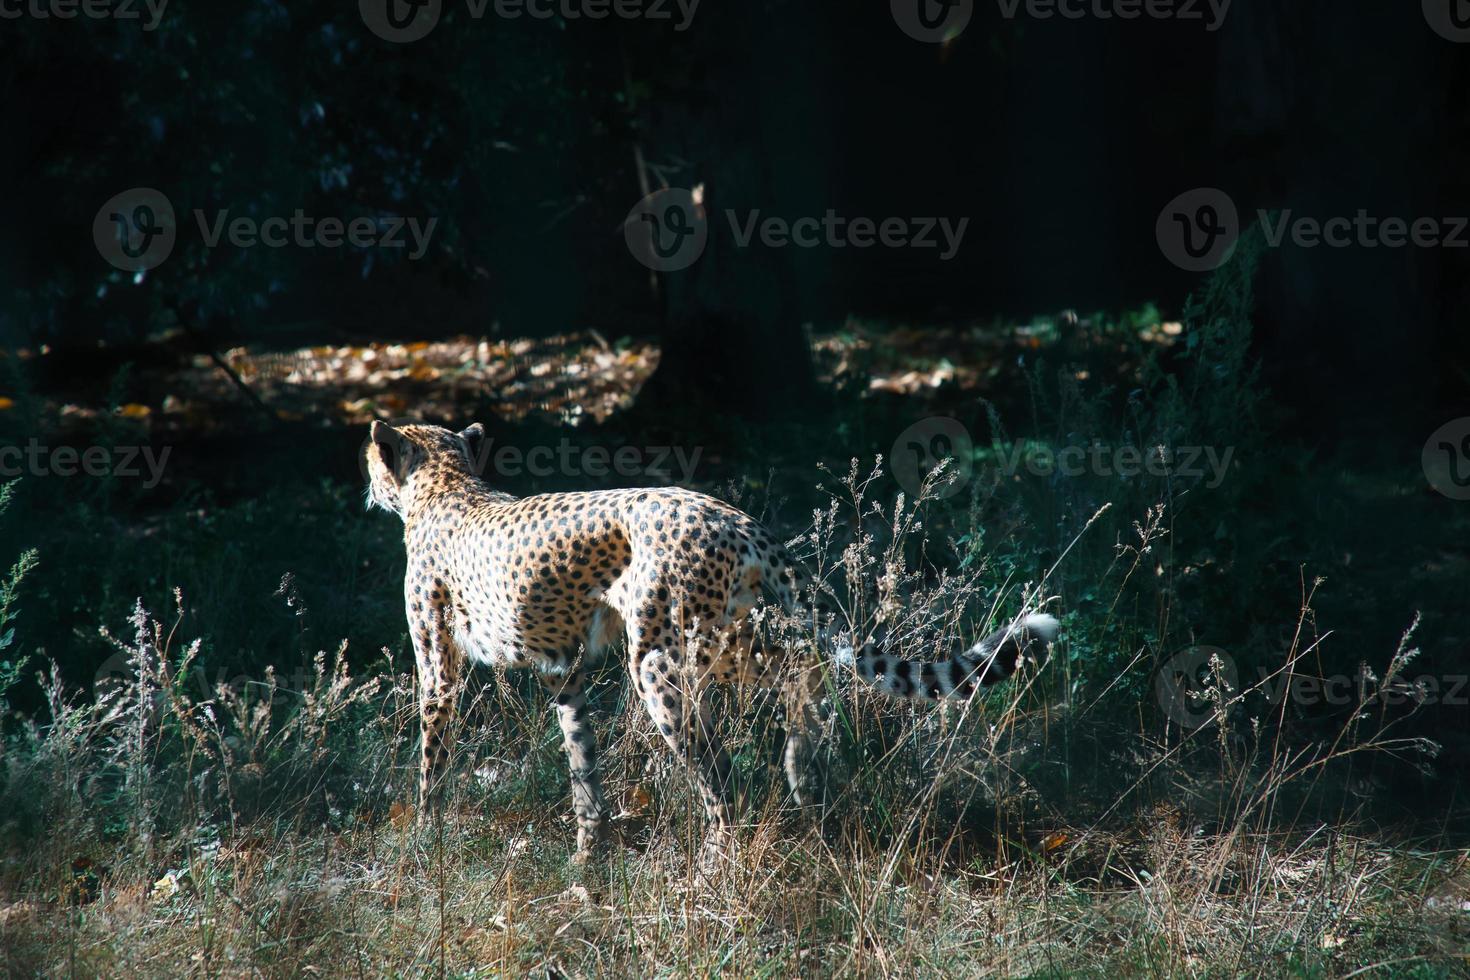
(491, 895)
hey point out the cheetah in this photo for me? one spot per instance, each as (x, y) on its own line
(534, 582)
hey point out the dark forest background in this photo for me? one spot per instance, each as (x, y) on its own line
(1059, 139)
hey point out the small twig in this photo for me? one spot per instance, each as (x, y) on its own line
(223, 365)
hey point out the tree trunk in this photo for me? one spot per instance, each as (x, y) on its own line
(1347, 332)
(733, 339)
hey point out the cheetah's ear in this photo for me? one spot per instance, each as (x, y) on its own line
(474, 440)
(388, 442)
(385, 435)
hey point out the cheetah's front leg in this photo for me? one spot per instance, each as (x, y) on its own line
(439, 674)
(568, 693)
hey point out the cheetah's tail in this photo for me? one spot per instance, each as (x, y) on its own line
(988, 662)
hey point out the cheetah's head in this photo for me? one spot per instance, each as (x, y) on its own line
(403, 460)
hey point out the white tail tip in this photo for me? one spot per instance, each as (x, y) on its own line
(1043, 625)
